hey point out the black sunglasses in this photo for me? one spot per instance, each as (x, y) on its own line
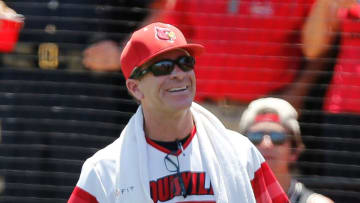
(165, 67)
(277, 138)
(172, 165)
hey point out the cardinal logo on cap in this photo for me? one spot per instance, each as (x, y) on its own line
(165, 34)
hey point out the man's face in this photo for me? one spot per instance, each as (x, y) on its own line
(277, 155)
(169, 93)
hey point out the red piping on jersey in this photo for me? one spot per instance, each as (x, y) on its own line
(81, 196)
(178, 152)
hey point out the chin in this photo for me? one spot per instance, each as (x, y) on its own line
(181, 105)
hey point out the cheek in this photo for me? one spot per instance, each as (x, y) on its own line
(150, 87)
(284, 152)
(159, 86)
(193, 81)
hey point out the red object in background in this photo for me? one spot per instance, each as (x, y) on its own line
(352, 12)
(9, 33)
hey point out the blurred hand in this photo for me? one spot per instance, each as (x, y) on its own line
(8, 13)
(344, 3)
(349, 8)
(102, 56)
(341, 4)
(5, 10)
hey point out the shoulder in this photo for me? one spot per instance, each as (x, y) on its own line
(103, 163)
(309, 196)
(106, 156)
(318, 198)
(239, 141)
(98, 173)
(246, 151)
(233, 135)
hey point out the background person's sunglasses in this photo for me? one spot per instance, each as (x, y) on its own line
(277, 138)
(165, 67)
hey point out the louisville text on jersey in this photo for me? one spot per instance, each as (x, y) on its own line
(166, 188)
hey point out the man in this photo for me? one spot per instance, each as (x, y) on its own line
(172, 150)
(271, 124)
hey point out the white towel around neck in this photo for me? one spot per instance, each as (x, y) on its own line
(225, 171)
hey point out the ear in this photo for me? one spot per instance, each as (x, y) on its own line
(133, 87)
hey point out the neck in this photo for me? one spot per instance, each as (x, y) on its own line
(284, 180)
(167, 127)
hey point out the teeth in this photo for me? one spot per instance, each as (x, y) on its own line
(177, 89)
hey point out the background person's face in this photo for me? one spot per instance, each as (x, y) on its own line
(277, 156)
(169, 92)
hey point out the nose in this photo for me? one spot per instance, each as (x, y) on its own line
(178, 73)
(266, 142)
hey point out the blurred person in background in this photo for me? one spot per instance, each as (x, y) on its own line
(57, 32)
(271, 124)
(337, 24)
(104, 55)
(253, 50)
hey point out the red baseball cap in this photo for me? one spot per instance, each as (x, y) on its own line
(152, 40)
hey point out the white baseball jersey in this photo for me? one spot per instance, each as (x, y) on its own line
(164, 185)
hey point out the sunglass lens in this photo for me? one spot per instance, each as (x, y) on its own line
(172, 163)
(277, 137)
(165, 67)
(255, 137)
(162, 68)
(186, 63)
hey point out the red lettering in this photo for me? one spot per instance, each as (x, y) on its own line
(211, 191)
(194, 183)
(154, 191)
(186, 177)
(172, 187)
(166, 188)
(163, 189)
(202, 190)
(176, 185)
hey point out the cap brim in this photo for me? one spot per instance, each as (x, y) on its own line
(193, 49)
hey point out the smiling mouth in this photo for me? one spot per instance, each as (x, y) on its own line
(178, 89)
